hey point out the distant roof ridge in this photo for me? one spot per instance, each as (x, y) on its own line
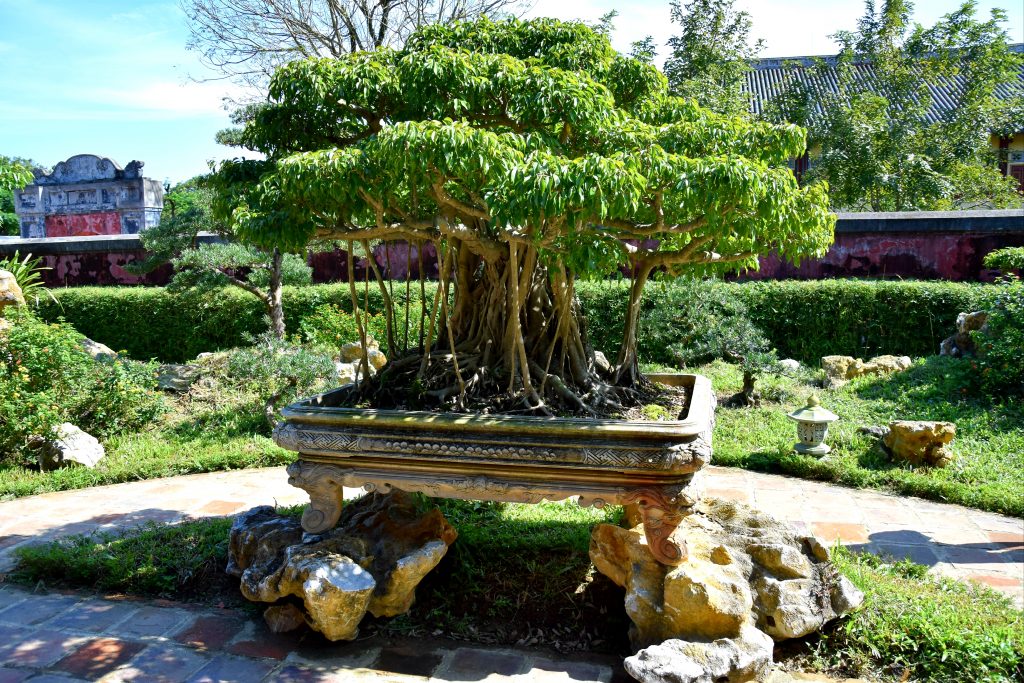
(808, 60)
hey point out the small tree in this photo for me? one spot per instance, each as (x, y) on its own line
(710, 57)
(193, 207)
(14, 173)
(531, 154)
(880, 149)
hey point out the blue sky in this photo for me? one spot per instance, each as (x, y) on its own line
(114, 78)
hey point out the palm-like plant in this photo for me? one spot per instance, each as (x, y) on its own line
(27, 273)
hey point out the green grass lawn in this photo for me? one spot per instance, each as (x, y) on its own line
(522, 571)
(202, 433)
(215, 429)
(988, 470)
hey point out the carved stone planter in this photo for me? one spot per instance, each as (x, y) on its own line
(652, 465)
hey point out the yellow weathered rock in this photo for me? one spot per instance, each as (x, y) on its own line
(744, 569)
(10, 291)
(921, 442)
(840, 369)
(372, 562)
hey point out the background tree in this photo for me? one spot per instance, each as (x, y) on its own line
(531, 154)
(15, 173)
(880, 150)
(247, 39)
(710, 56)
(193, 207)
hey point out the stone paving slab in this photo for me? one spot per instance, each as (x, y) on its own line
(204, 648)
(66, 636)
(950, 539)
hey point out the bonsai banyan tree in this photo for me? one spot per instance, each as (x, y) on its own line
(531, 154)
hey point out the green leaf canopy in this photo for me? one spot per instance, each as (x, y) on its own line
(532, 154)
(535, 132)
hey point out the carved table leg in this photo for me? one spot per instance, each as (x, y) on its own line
(662, 511)
(323, 483)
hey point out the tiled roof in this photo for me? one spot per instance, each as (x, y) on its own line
(769, 77)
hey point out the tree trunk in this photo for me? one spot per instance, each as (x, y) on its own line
(512, 338)
(274, 303)
(627, 367)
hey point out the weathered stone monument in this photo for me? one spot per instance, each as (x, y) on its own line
(89, 195)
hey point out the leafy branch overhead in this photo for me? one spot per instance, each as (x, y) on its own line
(533, 153)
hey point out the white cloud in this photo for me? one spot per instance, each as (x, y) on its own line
(174, 99)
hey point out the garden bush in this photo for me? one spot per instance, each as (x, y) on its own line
(330, 326)
(1000, 343)
(802, 319)
(46, 378)
(1008, 260)
(279, 372)
(813, 318)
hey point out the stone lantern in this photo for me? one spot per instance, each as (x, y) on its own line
(812, 427)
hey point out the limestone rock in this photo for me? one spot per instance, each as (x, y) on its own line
(735, 660)
(346, 372)
(841, 369)
(371, 561)
(921, 442)
(284, 618)
(789, 365)
(746, 571)
(877, 431)
(960, 343)
(601, 363)
(69, 446)
(179, 378)
(97, 350)
(352, 354)
(10, 291)
(354, 350)
(376, 358)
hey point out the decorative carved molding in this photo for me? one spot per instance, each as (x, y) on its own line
(323, 483)
(653, 467)
(662, 510)
(348, 442)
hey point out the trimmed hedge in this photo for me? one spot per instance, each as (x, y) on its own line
(802, 319)
(808, 319)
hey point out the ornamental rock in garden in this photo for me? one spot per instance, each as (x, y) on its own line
(371, 562)
(749, 580)
(10, 292)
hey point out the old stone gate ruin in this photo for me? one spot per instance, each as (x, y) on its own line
(89, 195)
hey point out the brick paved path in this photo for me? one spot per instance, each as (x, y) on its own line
(60, 636)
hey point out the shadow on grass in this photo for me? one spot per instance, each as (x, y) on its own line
(224, 423)
(938, 389)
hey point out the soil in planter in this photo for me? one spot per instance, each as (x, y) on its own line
(653, 402)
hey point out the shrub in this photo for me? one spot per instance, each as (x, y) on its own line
(697, 322)
(1000, 344)
(1008, 260)
(279, 372)
(330, 326)
(46, 378)
(802, 319)
(809, 319)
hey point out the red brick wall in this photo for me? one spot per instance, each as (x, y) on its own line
(924, 256)
(84, 224)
